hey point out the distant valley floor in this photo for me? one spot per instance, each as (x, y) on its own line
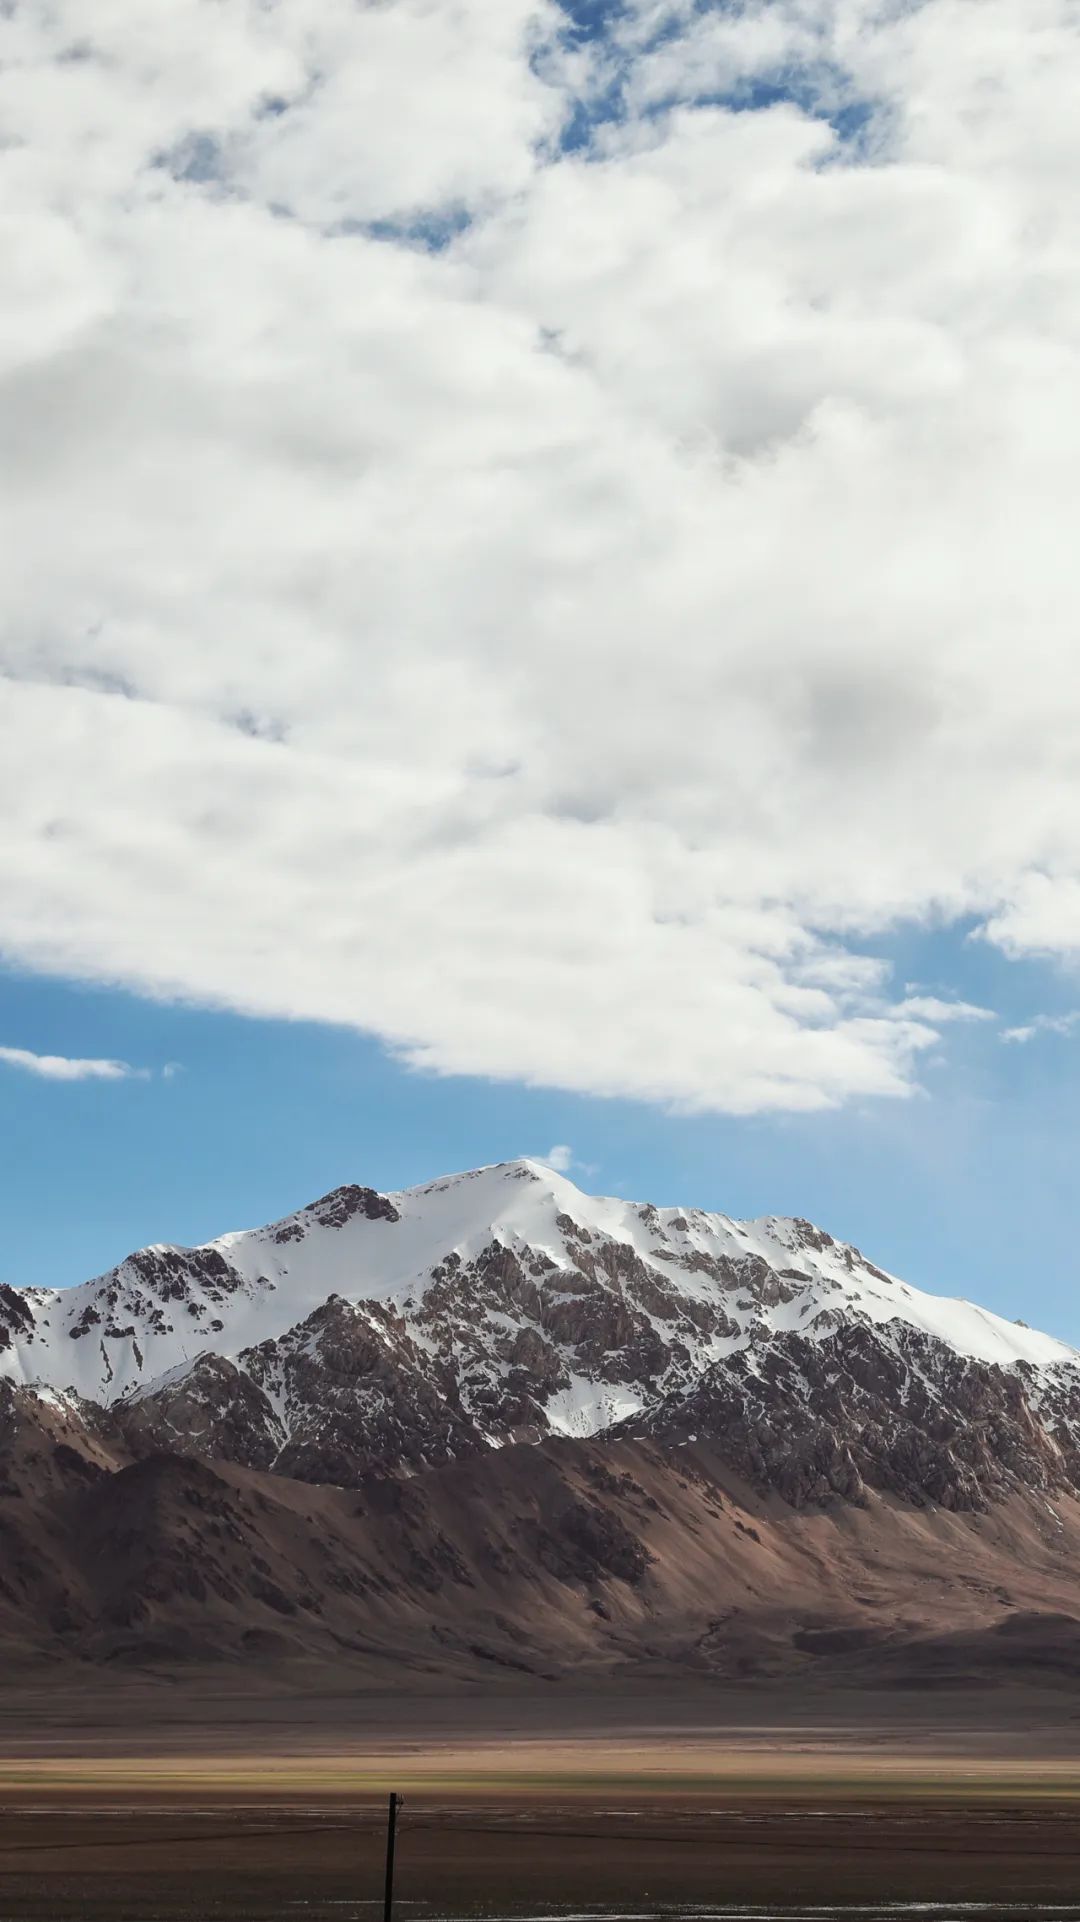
(149, 1803)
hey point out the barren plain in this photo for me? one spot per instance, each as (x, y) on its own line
(152, 1803)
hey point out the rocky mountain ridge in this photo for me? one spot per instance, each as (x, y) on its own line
(400, 1332)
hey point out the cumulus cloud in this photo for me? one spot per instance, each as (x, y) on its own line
(58, 1067)
(539, 549)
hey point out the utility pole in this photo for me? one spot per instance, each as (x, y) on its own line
(391, 1826)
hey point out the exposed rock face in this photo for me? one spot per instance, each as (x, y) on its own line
(892, 1409)
(15, 1316)
(374, 1332)
(335, 1209)
(357, 1392)
(212, 1408)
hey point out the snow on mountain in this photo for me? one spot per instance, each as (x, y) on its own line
(528, 1303)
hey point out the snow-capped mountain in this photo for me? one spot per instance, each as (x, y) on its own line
(504, 1304)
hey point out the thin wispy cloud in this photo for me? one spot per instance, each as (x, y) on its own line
(930, 1007)
(1060, 1024)
(59, 1067)
(567, 572)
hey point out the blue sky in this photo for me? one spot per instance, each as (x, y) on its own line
(968, 1188)
(565, 626)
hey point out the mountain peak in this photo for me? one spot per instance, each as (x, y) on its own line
(496, 1304)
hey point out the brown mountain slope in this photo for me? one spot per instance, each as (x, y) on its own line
(606, 1560)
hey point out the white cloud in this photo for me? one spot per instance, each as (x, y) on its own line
(1061, 1024)
(930, 1007)
(58, 1067)
(559, 652)
(560, 1157)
